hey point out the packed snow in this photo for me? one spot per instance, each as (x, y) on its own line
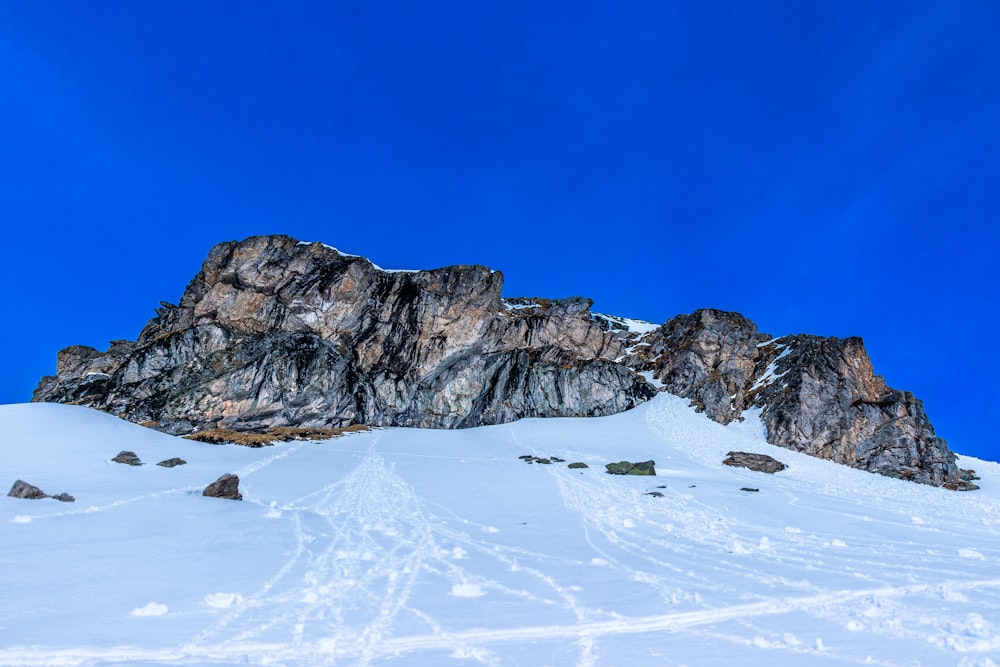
(419, 547)
(346, 254)
(629, 324)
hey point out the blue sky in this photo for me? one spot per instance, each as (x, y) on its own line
(826, 168)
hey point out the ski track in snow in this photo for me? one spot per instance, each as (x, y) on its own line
(361, 562)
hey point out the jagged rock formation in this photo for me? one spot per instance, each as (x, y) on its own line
(817, 395)
(823, 398)
(273, 332)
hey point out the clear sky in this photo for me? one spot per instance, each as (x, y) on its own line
(827, 168)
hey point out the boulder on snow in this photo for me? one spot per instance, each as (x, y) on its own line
(629, 468)
(578, 464)
(22, 489)
(227, 486)
(172, 463)
(128, 458)
(758, 462)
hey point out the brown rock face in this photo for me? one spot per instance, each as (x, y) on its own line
(823, 398)
(273, 332)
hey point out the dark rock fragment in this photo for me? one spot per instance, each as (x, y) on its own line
(643, 468)
(655, 494)
(128, 458)
(64, 498)
(962, 485)
(747, 488)
(629, 468)
(22, 489)
(758, 462)
(227, 486)
(578, 464)
(171, 463)
(527, 458)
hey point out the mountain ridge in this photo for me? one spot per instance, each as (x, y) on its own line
(277, 332)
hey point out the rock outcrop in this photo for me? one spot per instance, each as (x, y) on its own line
(273, 332)
(816, 395)
(822, 397)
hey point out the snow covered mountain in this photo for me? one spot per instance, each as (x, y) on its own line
(275, 332)
(440, 547)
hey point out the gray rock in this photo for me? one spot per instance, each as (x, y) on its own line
(577, 464)
(645, 468)
(708, 356)
(128, 458)
(227, 486)
(749, 490)
(172, 463)
(22, 489)
(64, 498)
(758, 462)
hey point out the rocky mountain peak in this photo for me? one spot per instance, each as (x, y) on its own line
(276, 332)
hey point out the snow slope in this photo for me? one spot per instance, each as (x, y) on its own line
(416, 547)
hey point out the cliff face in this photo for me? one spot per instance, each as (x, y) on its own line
(274, 332)
(822, 398)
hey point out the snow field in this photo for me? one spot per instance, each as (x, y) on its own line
(407, 546)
